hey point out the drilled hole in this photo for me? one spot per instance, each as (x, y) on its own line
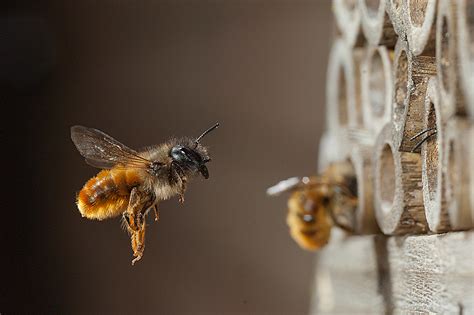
(377, 85)
(418, 11)
(386, 178)
(342, 99)
(432, 156)
(445, 58)
(401, 84)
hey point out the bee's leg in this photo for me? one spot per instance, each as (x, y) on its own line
(157, 213)
(155, 210)
(138, 244)
(178, 176)
(135, 220)
(337, 223)
(136, 204)
(182, 189)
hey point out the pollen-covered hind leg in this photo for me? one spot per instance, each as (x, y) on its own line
(138, 244)
(135, 220)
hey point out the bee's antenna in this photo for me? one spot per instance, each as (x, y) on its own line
(424, 139)
(205, 133)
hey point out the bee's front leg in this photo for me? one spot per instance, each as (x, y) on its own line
(177, 176)
(182, 189)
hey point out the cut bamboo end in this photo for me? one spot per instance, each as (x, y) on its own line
(376, 88)
(458, 154)
(398, 193)
(348, 22)
(465, 48)
(447, 59)
(376, 25)
(410, 76)
(334, 146)
(432, 157)
(396, 12)
(361, 161)
(421, 34)
(343, 96)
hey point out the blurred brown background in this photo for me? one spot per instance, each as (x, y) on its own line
(143, 71)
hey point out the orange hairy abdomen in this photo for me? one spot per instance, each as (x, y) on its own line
(106, 195)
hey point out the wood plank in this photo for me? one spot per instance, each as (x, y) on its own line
(396, 275)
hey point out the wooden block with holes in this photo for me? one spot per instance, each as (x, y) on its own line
(400, 112)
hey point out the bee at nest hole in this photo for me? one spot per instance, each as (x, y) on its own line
(318, 203)
(132, 183)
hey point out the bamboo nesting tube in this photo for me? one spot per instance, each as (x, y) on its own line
(376, 25)
(376, 88)
(465, 48)
(458, 154)
(420, 26)
(398, 197)
(410, 76)
(361, 160)
(396, 13)
(432, 153)
(343, 96)
(448, 65)
(348, 21)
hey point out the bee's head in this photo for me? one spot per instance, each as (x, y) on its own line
(193, 157)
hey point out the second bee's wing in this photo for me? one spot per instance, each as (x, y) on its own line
(103, 151)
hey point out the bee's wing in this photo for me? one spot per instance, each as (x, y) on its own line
(294, 183)
(103, 151)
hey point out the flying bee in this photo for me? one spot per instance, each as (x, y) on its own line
(132, 183)
(319, 202)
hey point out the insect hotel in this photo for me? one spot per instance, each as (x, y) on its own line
(400, 113)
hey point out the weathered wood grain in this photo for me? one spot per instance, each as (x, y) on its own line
(424, 274)
(447, 60)
(398, 196)
(465, 51)
(420, 26)
(457, 157)
(410, 76)
(376, 25)
(433, 177)
(376, 88)
(347, 15)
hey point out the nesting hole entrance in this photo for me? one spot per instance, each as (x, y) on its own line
(401, 83)
(417, 11)
(372, 7)
(377, 85)
(342, 98)
(432, 156)
(445, 59)
(386, 178)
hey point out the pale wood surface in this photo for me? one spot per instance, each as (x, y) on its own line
(425, 274)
